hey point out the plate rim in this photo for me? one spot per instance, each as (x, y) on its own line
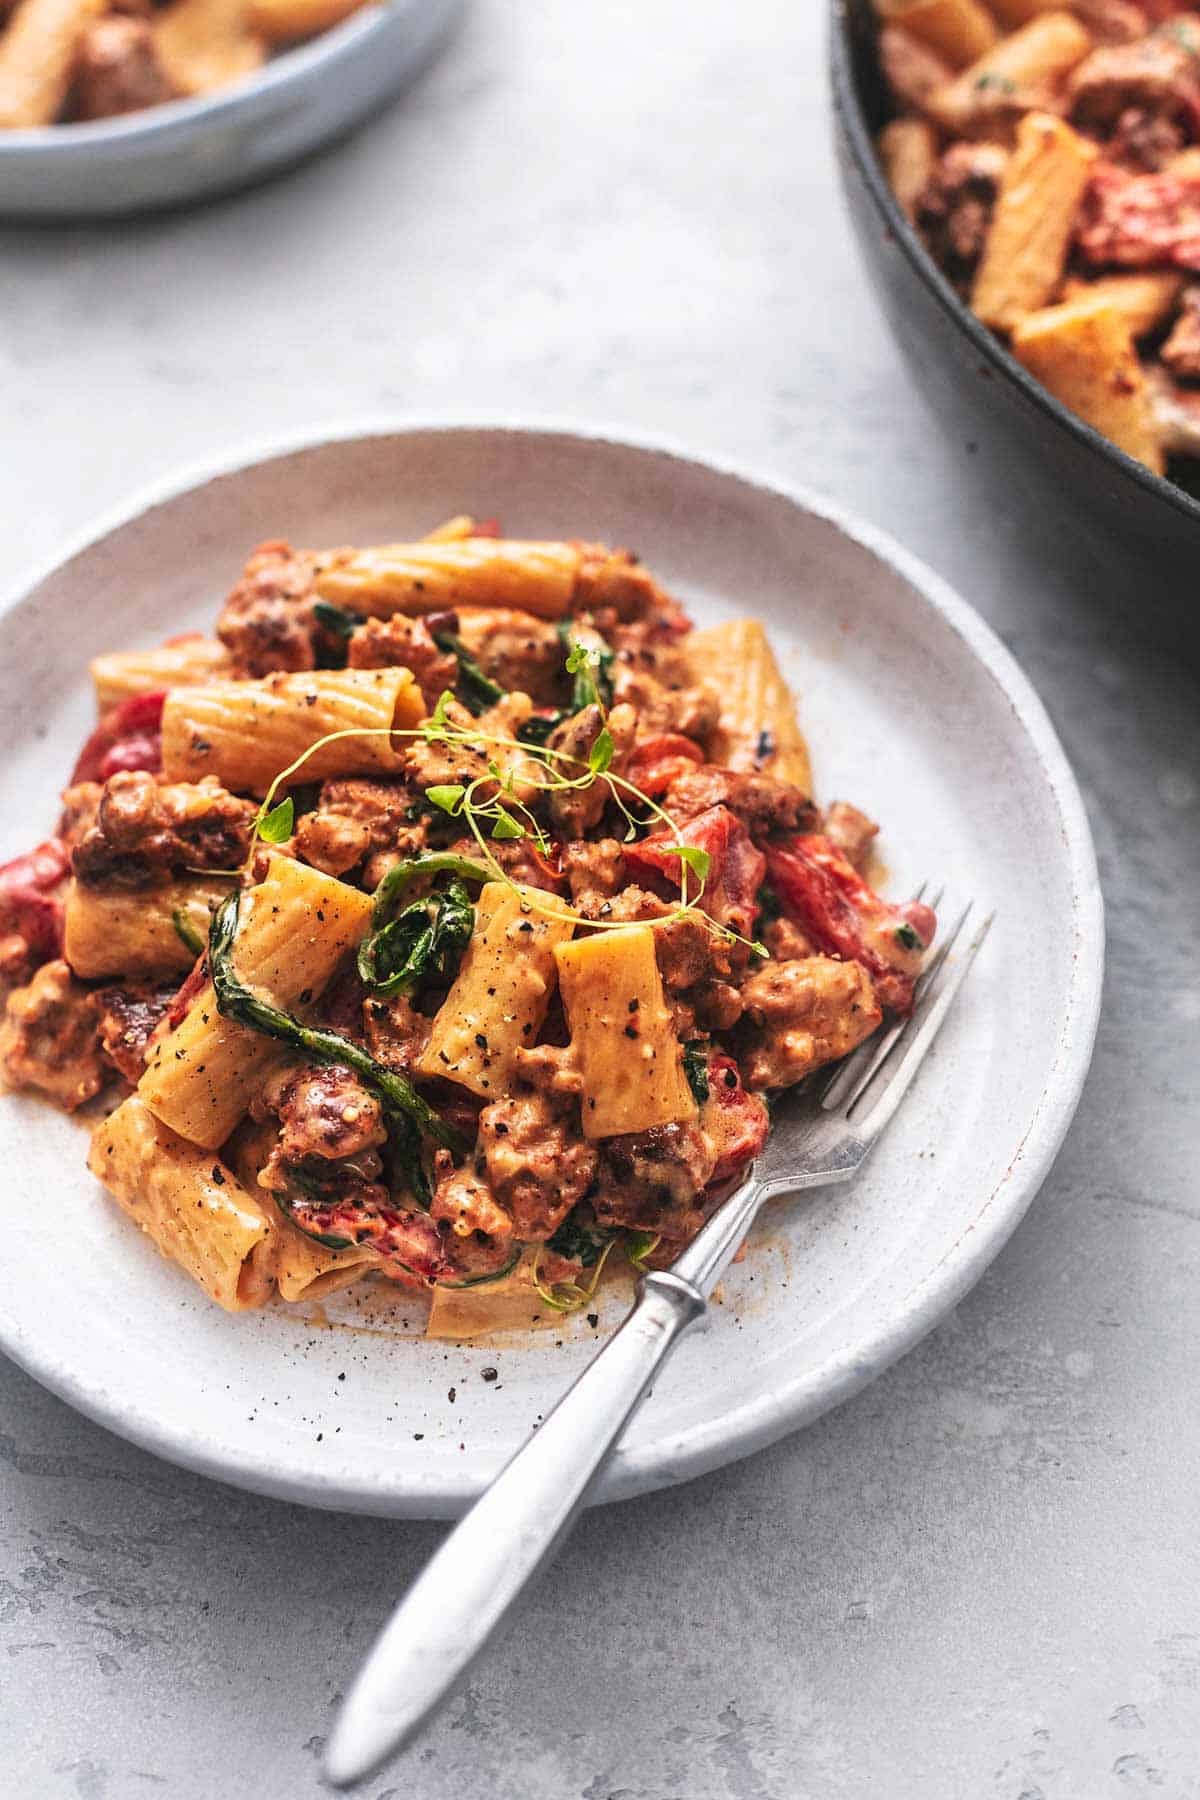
(818, 1388)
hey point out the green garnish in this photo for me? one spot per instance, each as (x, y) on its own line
(601, 753)
(506, 827)
(695, 1068)
(276, 826)
(1000, 84)
(638, 1245)
(698, 861)
(407, 1114)
(488, 1276)
(578, 1238)
(910, 938)
(448, 798)
(590, 661)
(539, 727)
(478, 690)
(335, 619)
(186, 932)
(770, 907)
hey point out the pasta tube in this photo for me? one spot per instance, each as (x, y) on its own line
(297, 926)
(120, 674)
(115, 933)
(510, 1304)
(205, 44)
(959, 30)
(304, 1269)
(1031, 61)
(757, 730)
(282, 21)
(247, 732)
(908, 151)
(622, 1033)
(499, 997)
(430, 577)
(37, 58)
(1026, 250)
(195, 1209)
(1083, 352)
(1145, 300)
(1014, 13)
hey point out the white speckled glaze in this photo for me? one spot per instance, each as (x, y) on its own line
(194, 149)
(913, 709)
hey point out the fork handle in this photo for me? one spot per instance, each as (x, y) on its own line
(462, 1595)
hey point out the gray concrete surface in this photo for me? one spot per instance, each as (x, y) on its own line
(981, 1577)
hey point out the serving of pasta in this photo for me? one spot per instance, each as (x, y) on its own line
(65, 61)
(1048, 153)
(448, 918)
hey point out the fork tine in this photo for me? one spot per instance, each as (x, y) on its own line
(852, 1076)
(925, 1028)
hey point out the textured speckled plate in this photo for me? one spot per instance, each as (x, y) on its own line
(913, 710)
(194, 149)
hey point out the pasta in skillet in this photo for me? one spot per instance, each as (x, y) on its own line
(1049, 155)
(446, 919)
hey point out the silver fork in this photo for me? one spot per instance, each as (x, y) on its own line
(821, 1134)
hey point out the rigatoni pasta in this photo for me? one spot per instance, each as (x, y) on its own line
(119, 674)
(960, 30)
(249, 732)
(429, 577)
(622, 1034)
(436, 954)
(298, 926)
(193, 1208)
(498, 1002)
(1083, 352)
(758, 729)
(141, 931)
(1039, 196)
(1055, 180)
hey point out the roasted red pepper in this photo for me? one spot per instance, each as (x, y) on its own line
(735, 866)
(29, 905)
(658, 761)
(834, 907)
(129, 736)
(741, 1117)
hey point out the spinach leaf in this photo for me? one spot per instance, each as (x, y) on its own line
(407, 1113)
(426, 940)
(478, 690)
(186, 932)
(579, 1238)
(695, 1069)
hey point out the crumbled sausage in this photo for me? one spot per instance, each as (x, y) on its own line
(268, 621)
(49, 1040)
(804, 1014)
(144, 829)
(324, 1111)
(535, 1161)
(117, 69)
(356, 818)
(406, 644)
(127, 1017)
(954, 209)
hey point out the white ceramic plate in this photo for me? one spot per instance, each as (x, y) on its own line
(194, 149)
(913, 709)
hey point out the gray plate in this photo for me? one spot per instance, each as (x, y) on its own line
(913, 709)
(195, 149)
